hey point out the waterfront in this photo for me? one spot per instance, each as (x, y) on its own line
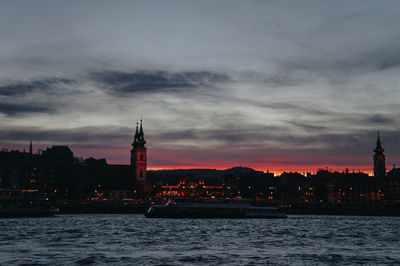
(132, 239)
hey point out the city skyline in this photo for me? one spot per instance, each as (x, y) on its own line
(269, 85)
(370, 172)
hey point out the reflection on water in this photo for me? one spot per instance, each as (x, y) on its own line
(133, 239)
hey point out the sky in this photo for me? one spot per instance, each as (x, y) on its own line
(272, 85)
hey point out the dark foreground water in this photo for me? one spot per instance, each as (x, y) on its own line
(133, 239)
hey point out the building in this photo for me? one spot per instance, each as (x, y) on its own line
(360, 188)
(391, 186)
(56, 172)
(139, 155)
(354, 188)
(292, 186)
(191, 186)
(58, 155)
(15, 169)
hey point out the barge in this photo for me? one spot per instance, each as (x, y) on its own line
(23, 203)
(189, 208)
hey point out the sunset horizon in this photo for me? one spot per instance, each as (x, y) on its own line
(180, 161)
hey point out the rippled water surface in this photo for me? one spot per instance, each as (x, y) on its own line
(133, 239)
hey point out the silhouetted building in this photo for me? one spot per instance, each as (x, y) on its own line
(92, 162)
(354, 188)
(30, 148)
(291, 187)
(58, 155)
(231, 185)
(317, 188)
(391, 186)
(257, 185)
(57, 174)
(379, 160)
(139, 155)
(15, 169)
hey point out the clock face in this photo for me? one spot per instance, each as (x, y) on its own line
(380, 157)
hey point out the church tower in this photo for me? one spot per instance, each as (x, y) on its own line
(138, 154)
(379, 160)
(30, 148)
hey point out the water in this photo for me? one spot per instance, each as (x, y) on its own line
(133, 239)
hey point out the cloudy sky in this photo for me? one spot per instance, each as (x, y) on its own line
(278, 85)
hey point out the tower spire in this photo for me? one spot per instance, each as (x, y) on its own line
(141, 134)
(378, 141)
(379, 148)
(139, 153)
(30, 148)
(136, 137)
(379, 159)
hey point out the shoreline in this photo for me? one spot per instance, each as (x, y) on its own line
(361, 210)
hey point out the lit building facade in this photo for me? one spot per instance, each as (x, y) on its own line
(355, 188)
(192, 186)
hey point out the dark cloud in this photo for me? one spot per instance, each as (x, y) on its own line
(258, 136)
(296, 108)
(22, 88)
(388, 62)
(11, 109)
(286, 78)
(357, 64)
(308, 126)
(340, 119)
(93, 135)
(144, 81)
(245, 135)
(380, 60)
(379, 119)
(334, 69)
(277, 140)
(248, 137)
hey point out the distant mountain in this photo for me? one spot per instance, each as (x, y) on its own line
(204, 173)
(240, 170)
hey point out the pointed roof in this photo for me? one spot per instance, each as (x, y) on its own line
(378, 148)
(136, 134)
(139, 135)
(30, 147)
(378, 141)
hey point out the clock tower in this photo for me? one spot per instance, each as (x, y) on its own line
(139, 154)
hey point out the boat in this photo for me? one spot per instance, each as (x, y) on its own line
(25, 203)
(211, 208)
